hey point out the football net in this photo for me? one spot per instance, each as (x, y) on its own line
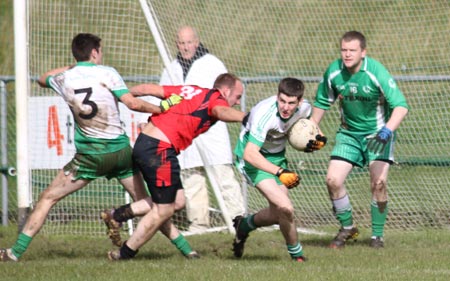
(262, 42)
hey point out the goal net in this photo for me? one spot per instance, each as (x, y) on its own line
(262, 42)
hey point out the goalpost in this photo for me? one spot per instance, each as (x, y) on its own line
(262, 42)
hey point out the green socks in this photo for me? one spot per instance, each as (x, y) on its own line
(295, 250)
(379, 212)
(182, 244)
(21, 245)
(248, 224)
(343, 211)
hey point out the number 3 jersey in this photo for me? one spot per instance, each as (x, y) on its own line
(92, 92)
(188, 119)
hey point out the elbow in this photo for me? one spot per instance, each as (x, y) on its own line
(42, 82)
(134, 105)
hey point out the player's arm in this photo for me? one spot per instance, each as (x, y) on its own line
(317, 115)
(227, 114)
(397, 116)
(377, 143)
(257, 160)
(150, 89)
(147, 89)
(139, 105)
(42, 81)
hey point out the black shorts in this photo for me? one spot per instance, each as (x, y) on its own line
(158, 163)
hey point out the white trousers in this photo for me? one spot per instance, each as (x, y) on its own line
(196, 192)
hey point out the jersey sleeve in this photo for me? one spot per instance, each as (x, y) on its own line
(259, 126)
(55, 82)
(115, 83)
(217, 100)
(325, 95)
(392, 93)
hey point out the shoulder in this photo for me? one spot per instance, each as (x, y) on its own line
(105, 67)
(106, 70)
(374, 65)
(334, 68)
(210, 59)
(335, 65)
(265, 107)
(174, 65)
(305, 109)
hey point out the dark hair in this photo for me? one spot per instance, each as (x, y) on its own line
(83, 44)
(354, 35)
(291, 87)
(228, 80)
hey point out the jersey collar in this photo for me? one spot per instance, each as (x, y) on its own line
(86, 63)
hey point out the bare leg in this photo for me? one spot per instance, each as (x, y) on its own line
(149, 224)
(59, 188)
(280, 210)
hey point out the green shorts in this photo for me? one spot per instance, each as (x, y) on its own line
(117, 164)
(353, 149)
(254, 175)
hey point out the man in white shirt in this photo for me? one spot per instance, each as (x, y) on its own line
(194, 65)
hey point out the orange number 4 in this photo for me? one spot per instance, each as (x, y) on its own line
(54, 137)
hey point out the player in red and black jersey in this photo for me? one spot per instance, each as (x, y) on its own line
(156, 149)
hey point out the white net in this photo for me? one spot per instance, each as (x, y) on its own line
(262, 42)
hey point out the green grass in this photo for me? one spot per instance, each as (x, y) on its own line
(422, 255)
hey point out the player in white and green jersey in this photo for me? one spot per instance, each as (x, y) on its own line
(372, 108)
(261, 159)
(92, 92)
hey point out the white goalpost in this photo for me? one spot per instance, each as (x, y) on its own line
(262, 42)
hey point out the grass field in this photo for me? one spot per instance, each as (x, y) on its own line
(422, 255)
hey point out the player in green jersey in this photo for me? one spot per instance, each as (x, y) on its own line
(372, 108)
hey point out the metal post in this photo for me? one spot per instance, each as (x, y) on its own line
(22, 89)
(4, 151)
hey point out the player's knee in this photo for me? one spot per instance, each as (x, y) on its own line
(286, 213)
(333, 186)
(48, 197)
(165, 212)
(379, 185)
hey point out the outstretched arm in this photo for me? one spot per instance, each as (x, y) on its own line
(42, 80)
(228, 114)
(147, 89)
(139, 105)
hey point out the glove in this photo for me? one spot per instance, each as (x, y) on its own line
(316, 144)
(288, 178)
(378, 143)
(169, 102)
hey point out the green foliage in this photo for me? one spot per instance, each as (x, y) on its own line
(422, 255)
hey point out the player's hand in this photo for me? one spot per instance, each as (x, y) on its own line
(169, 102)
(378, 143)
(316, 144)
(288, 178)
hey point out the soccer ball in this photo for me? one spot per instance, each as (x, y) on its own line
(301, 132)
